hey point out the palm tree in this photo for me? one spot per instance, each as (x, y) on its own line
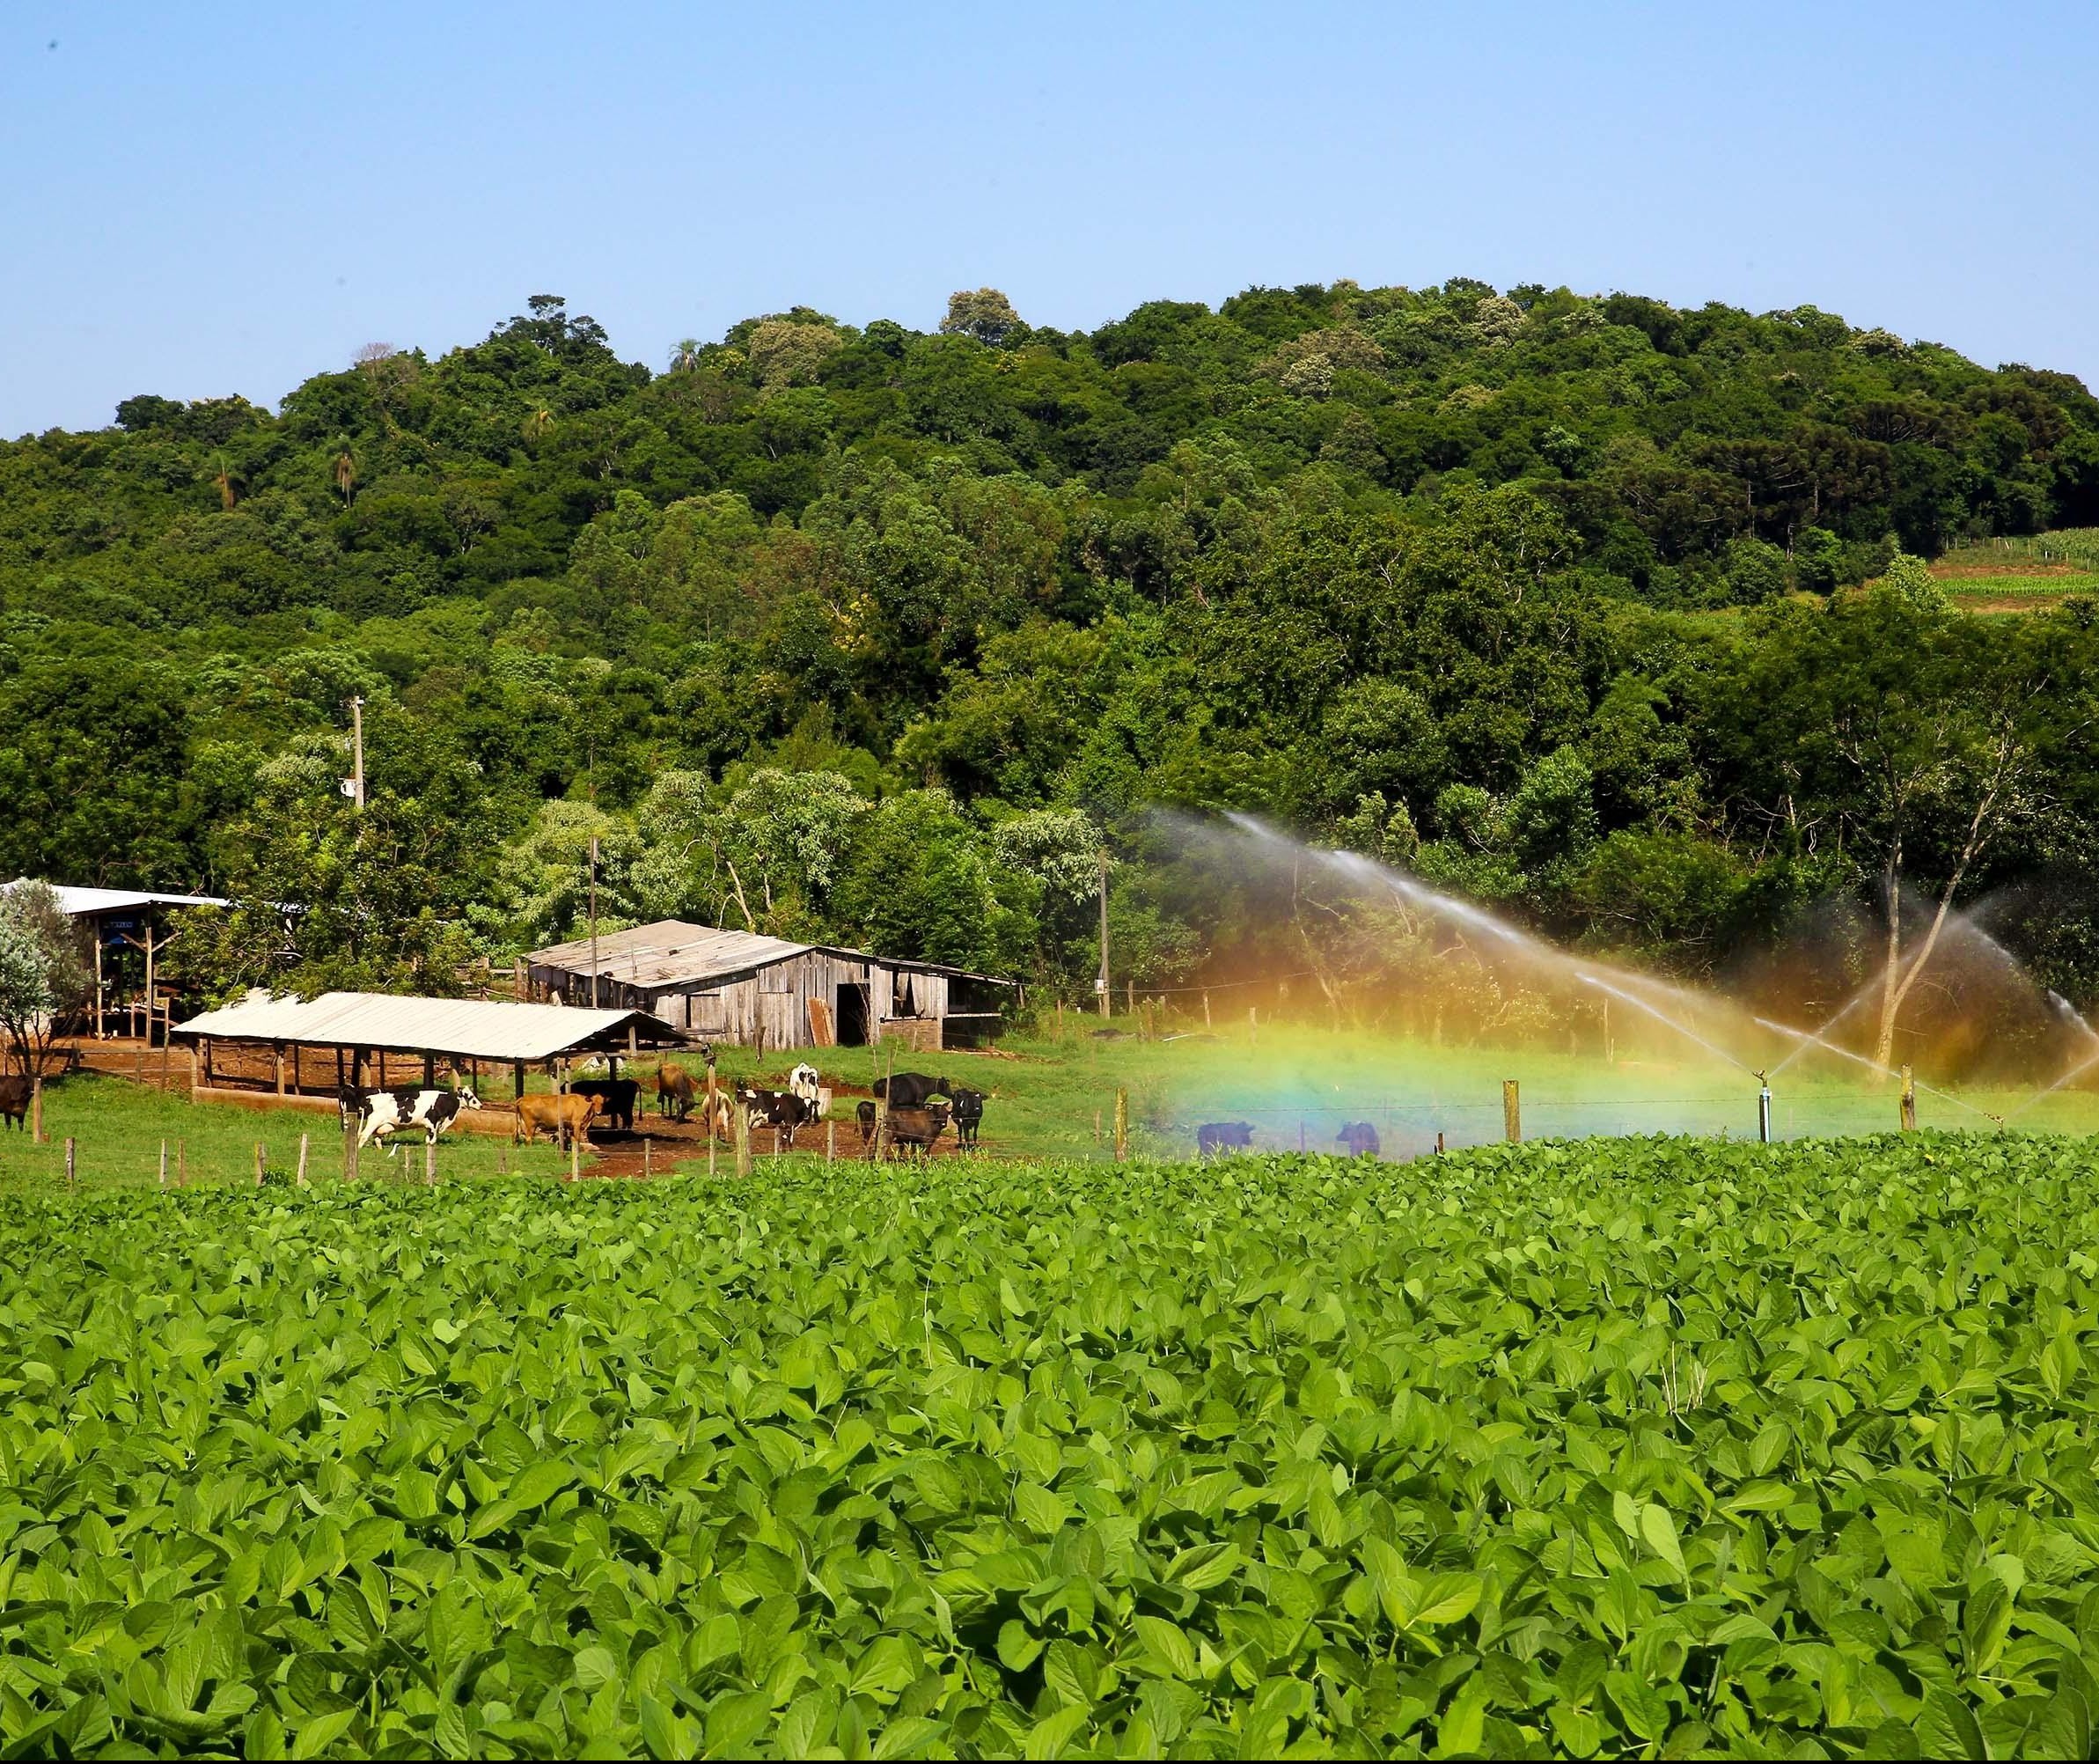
(538, 426)
(346, 474)
(225, 481)
(685, 355)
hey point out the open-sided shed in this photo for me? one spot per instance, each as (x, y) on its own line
(127, 929)
(293, 1046)
(745, 989)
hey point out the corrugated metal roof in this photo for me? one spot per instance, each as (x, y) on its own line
(670, 952)
(480, 1029)
(677, 953)
(79, 901)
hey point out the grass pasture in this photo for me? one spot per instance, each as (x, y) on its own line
(1295, 1084)
(1648, 1447)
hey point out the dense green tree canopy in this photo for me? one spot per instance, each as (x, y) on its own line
(1556, 597)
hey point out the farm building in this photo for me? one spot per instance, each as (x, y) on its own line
(744, 990)
(293, 1047)
(128, 929)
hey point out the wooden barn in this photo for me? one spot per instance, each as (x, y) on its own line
(746, 990)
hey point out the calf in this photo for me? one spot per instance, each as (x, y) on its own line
(913, 1130)
(1214, 1136)
(969, 1113)
(1359, 1138)
(619, 1095)
(385, 1113)
(674, 1091)
(566, 1117)
(864, 1112)
(14, 1100)
(909, 1090)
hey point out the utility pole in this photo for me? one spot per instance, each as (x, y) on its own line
(1101, 985)
(593, 922)
(357, 752)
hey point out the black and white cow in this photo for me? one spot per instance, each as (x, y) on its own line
(381, 1113)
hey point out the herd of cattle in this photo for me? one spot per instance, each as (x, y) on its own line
(920, 1110)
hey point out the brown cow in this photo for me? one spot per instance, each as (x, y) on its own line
(674, 1091)
(912, 1131)
(14, 1100)
(566, 1117)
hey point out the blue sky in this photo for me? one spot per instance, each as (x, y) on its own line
(201, 200)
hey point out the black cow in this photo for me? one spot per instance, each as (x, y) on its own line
(1214, 1137)
(969, 1113)
(865, 1114)
(14, 1100)
(910, 1090)
(1359, 1138)
(618, 1096)
(780, 1110)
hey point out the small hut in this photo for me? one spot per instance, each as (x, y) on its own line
(743, 989)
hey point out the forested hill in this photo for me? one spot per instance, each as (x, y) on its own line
(878, 632)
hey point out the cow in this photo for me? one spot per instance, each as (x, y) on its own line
(864, 1112)
(1215, 1136)
(969, 1113)
(909, 1090)
(1360, 1139)
(674, 1091)
(14, 1100)
(385, 1113)
(913, 1130)
(780, 1110)
(567, 1117)
(620, 1096)
(718, 1115)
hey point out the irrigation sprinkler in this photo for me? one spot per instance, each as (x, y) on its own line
(1762, 1110)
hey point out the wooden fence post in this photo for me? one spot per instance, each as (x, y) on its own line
(164, 1164)
(1205, 1010)
(647, 1169)
(1122, 1126)
(1512, 1111)
(739, 1127)
(69, 1144)
(302, 1160)
(1096, 1127)
(36, 1108)
(182, 1163)
(830, 1141)
(430, 1160)
(576, 1157)
(350, 1154)
(1909, 1101)
(262, 1152)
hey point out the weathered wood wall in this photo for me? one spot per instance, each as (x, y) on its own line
(774, 999)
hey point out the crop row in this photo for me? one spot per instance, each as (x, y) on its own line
(1613, 1447)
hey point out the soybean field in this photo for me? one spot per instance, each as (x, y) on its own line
(1611, 1448)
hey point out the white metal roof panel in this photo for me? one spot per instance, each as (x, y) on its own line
(481, 1029)
(78, 900)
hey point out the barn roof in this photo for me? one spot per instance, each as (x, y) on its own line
(473, 1028)
(676, 953)
(79, 902)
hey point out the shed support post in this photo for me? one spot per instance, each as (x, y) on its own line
(517, 1078)
(276, 1060)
